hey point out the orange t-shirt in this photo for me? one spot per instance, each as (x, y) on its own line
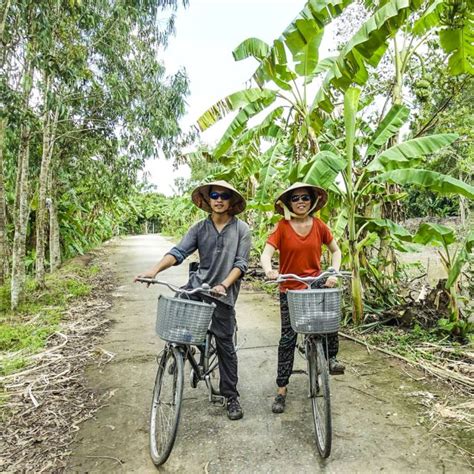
(299, 255)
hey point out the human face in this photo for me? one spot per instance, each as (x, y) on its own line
(300, 201)
(219, 205)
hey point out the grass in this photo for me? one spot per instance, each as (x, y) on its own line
(26, 331)
(402, 339)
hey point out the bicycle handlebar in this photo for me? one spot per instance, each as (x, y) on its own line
(309, 279)
(205, 288)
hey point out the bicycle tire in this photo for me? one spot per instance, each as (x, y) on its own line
(318, 372)
(211, 364)
(166, 405)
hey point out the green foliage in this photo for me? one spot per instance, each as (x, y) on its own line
(26, 331)
(102, 102)
(401, 341)
(462, 329)
(429, 180)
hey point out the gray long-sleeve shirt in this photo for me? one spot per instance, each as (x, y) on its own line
(219, 253)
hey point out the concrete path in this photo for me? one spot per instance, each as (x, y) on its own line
(376, 422)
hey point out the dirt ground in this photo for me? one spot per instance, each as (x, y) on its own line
(377, 418)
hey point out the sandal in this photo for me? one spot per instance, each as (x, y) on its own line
(278, 405)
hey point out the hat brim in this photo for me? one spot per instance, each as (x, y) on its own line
(200, 197)
(284, 196)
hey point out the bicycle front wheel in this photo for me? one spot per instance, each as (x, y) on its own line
(166, 404)
(320, 396)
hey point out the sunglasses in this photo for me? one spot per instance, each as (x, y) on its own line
(300, 197)
(224, 196)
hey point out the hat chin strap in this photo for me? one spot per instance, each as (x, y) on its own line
(289, 214)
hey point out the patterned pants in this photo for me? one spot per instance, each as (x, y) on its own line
(286, 347)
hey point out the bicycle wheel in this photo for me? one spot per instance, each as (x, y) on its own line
(211, 363)
(320, 396)
(166, 404)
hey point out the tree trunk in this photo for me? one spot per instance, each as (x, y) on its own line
(54, 237)
(3, 210)
(21, 208)
(3, 125)
(357, 292)
(21, 219)
(41, 215)
(54, 241)
(387, 259)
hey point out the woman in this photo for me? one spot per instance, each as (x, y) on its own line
(299, 238)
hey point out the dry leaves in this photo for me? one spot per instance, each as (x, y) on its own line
(47, 401)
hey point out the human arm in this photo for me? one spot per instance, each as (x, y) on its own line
(335, 262)
(266, 262)
(229, 280)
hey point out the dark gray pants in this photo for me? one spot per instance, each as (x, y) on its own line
(223, 327)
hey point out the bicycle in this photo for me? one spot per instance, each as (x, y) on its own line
(184, 324)
(315, 313)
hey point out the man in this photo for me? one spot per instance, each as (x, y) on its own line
(223, 243)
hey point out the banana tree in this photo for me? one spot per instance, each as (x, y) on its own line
(364, 174)
(453, 21)
(289, 68)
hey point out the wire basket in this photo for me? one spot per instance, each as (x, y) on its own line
(183, 321)
(315, 311)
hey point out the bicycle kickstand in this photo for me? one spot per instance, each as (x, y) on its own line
(213, 398)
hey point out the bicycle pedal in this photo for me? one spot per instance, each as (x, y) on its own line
(218, 400)
(299, 371)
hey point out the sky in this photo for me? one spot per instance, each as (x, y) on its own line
(206, 34)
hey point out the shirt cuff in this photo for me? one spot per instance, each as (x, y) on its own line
(177, 254)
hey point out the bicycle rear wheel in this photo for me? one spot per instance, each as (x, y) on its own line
(320, 396)
(211, 363)
(166, 404)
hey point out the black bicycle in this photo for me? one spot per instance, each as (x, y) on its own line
(315, 313)
(183, 322)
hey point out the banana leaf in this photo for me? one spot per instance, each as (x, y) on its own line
(233, 102)
(251, 47)
(458, 42)
(402, 155)
(239, 123)
(434, 234)
(430, 18)
(391, 124)
(365, 48)
(302, 38)
(268, 171)
(438, 182)
(381, 226)
(324, 167)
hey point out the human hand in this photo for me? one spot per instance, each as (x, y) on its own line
(147, 274)
(219, 290)
(331, 282)
(272, 274)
